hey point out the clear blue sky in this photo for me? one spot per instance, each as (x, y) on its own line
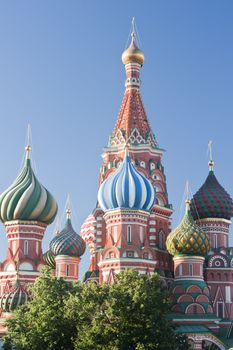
(61, 71)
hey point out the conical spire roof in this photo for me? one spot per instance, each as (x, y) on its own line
(132, 125)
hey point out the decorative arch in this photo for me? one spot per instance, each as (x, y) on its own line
(9, 267)
(185, 298)
(217, 261)
(194, 289)
(178, 290)
(202, 299)
(195, 308)
(111, 250)
(207, 337)
(160, 199)
(25, 266)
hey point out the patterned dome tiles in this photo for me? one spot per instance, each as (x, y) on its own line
(211, 201)
(68, 242)
(188, 238)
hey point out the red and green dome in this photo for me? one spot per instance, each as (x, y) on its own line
(211, 200)
(15, 297)
(188, 238)
(49, 259)
(68, 242)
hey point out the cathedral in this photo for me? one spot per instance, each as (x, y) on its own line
(130, 227)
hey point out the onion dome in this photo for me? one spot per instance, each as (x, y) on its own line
(188, 238)
(27, 199)
(15, 297)
(211, 200)
(49, 259)
(126, 188)
(133, 54)
(68, 242)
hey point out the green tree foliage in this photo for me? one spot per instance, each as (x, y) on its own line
(41, 323)
(128, 315)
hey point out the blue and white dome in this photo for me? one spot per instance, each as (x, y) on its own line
(126, 188)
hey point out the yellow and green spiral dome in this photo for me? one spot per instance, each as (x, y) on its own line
(27, 199)
(188, 238)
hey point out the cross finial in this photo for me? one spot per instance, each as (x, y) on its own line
(68, 213)
(28, 147)
(187, 200)
(211, 162)
(68, 207)
(133, 28)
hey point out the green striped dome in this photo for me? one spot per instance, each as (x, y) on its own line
(27, 199)
(49, 259)
(15, 297)
(188, 238)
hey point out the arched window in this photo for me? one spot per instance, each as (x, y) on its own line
(190, 269)
(67, 270)
(37, 247)
(115, 234)
(129, 234)
(141, 234)
(220, 309)
(215, 241)
(161, 240)
(25, 248)
(225, 241)
(152, 166)
(14, 247)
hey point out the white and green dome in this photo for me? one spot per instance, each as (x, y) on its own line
(27, 199)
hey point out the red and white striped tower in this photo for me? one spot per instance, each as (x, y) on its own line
(126, 197)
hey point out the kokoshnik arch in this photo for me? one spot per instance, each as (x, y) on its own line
(130, 227)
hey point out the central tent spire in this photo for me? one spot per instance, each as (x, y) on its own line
(132, 125)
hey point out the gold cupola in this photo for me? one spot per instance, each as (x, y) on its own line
(133, 54)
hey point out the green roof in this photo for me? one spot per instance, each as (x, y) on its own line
(177, 315)
(193, 329)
